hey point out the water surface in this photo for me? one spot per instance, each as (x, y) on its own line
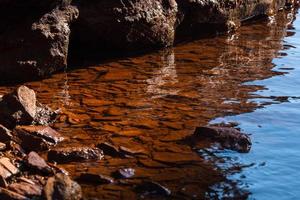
(149, 103)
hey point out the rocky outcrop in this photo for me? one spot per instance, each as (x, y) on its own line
(35, 38)
(35, 41)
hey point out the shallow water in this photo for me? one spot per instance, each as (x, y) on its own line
(150, 103)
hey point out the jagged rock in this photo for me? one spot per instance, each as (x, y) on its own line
(28, 190)
(22, 108)
(7, 169)
(34, 161)
(35, 43)
(37, 137)
(74, 154)
(95, 178)
(6, 194)
(61, 187)
(5, 134)
(228, 137)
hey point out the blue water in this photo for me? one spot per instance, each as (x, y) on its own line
(275, 131)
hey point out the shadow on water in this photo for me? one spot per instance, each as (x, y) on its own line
(149, 103)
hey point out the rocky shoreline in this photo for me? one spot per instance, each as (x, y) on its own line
(36, 42)
(28, 159)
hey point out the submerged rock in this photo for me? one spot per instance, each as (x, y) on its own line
(61, 187)
(37, 137)
(227, 137)
(74, 154)
(125, 173)
(95, 178)
(153, 188)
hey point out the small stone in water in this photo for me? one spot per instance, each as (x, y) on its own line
(125, 173)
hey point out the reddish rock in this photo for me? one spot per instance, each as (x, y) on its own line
(74, 154)
(61, 187)
(34, 161)
(6, 194)
(37, 137)
(228, 137)
(26, 189)
(7, 169)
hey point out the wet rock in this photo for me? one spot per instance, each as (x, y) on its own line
(125, 173)
(74, 154)
(110, 149)
(5, 134)
(7, 169)
(18, 107)
(153, 188)
(61, 187)
(228, 137)
(45, 115)
(95, 178)
(6, 194)
(37, 137)
(26, 189)
(34, 161)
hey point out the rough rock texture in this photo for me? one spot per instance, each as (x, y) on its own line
(35, 40)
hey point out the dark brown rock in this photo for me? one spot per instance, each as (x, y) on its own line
(5, 134)
(26, 189)
(34, 161)
(110, 149)
(34, 44)
(61, 187)
(6, 194)
(95, 178)
(153, 188)
(228, 137)
(37, 137)
(18, 107)
(74, 154)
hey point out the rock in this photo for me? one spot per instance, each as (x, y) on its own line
(228, 137)
(26, 189)
(74, 154)
(95, 178)
(7, 169)
(37, 137)
(34, 161)
(5, 134)
(2, 146)
(109, 149)
(45, 115)
(18, 107)
(153, 188)
(6, 194)
(125, 173)
(34, 44)
(61, 187)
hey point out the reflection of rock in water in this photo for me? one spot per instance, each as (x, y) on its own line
(166, 75)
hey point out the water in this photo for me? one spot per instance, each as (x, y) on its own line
(150, 103)
(275, 130)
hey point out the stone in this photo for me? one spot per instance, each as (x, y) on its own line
(153, 188)
(37, 137)
(6, 194)
(5, 134)
(18, 107)
(228, 137)
(74, 154)
(34, 161)
(7, 168)
(2, 146)
(95, 178)
(125, 173)
(109, 149)
(61, 187)
(26, 189)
